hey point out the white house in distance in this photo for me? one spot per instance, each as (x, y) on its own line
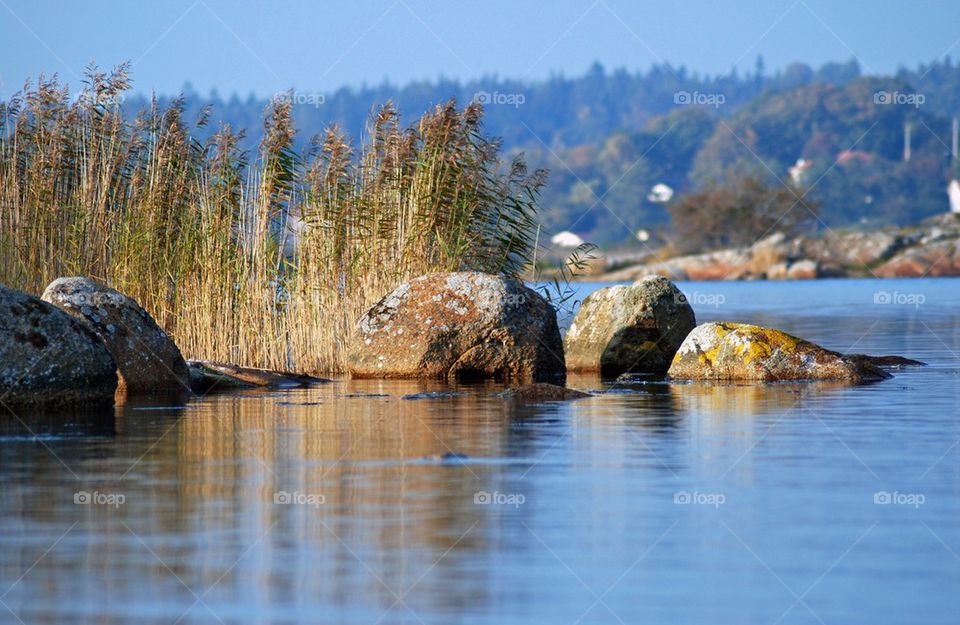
(660, 193)
(953, 191)
(566, 239)
(798, 172)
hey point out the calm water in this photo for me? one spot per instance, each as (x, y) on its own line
(563, 513)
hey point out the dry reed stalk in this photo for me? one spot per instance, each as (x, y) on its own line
(203, 238)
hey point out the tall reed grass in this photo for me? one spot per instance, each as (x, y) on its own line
(263, 259)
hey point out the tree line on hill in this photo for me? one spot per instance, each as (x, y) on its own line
(830, 135)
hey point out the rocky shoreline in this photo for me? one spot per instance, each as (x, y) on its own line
(930, 249)
(83, 342)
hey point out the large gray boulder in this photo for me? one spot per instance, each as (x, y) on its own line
(464, 325)
(48, 359)
(147, 359)
(629, 328)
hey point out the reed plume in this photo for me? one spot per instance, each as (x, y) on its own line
(265, 262)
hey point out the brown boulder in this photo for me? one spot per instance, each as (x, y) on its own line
(803, 270)
(939, 258)
(463, 325)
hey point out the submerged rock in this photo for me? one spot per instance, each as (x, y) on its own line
(542, 392)
(207, 375)
(433, 395)
(725, 351)
(49, 359)
(629, 328)
(449, 456)
(463, 325)
(890, 362)
(147, 359)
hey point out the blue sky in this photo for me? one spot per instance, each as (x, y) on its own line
(235, 45)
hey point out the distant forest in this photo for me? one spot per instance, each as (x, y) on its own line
(608, 137)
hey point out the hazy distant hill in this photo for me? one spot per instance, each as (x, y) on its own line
(612, 135)
(560, 111)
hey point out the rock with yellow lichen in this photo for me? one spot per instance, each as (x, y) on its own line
(738, 352)
(633, 328)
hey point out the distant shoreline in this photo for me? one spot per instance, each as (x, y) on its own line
(929, 249)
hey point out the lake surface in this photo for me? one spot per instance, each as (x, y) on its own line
(647, 503)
